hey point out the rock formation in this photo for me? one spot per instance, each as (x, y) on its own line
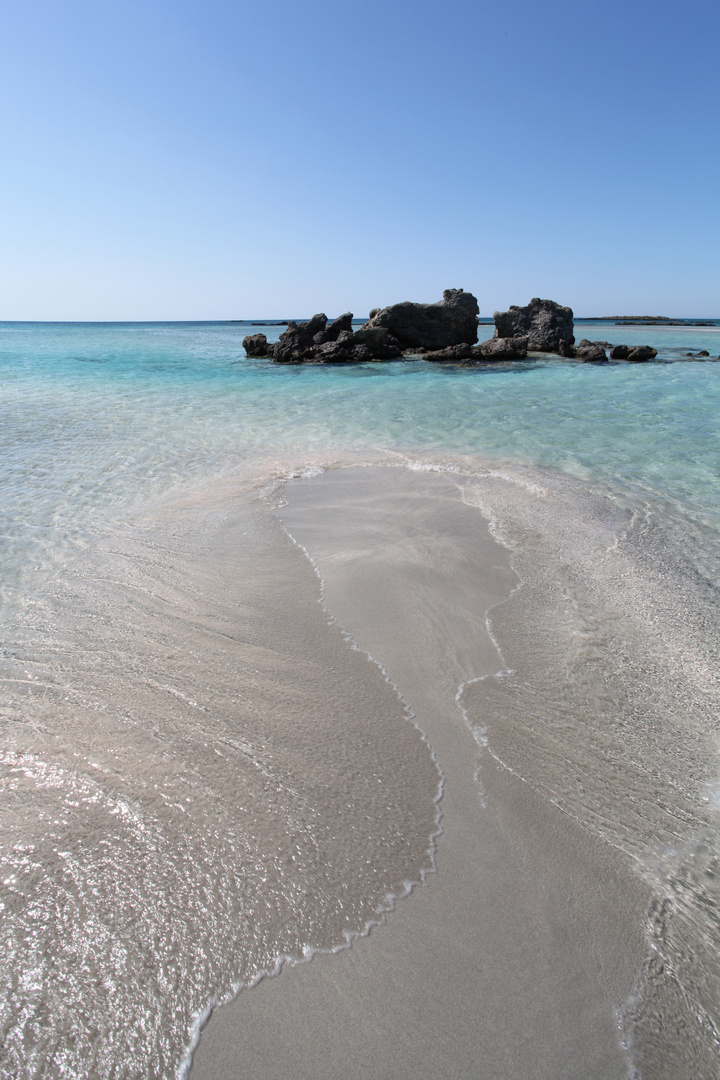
(255, 345)
(548, 326)
(445, 332)
(388, 332)
(452, 321)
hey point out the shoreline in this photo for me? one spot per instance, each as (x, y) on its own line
(516, 955)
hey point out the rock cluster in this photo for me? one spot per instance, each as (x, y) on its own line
(386, 335)
(445, 332)
(547, 326)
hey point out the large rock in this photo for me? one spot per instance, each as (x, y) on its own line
(452, 321)
(548, 326)
(255, 345)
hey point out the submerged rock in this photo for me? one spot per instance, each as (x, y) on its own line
(452, 354)
(548, 326)
(432, 327)
(641, 353)
(589, 351)
(513, 348)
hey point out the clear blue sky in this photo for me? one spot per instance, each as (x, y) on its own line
(211, 159)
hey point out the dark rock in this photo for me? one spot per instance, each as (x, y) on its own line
(619, 352)
(641, 353)
(255, 345)
(590, 352)
(382, 344)
(342, 352)
(452, 321)
(341, 325)
(297, 342)
(703, 352)
(547, 325)
(513, 348)
(453, 354)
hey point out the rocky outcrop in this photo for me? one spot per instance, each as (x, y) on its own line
(548, 326)
(318, 342)
(297, 342)
(255, 345)
(387, 333)
(432, 327)
(445, 332)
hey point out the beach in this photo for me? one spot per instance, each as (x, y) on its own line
(360, 719)
(511, 958)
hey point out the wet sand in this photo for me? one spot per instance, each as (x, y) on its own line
(510, 961)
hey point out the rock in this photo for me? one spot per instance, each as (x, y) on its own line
(341, 325)
(589, 352)
(641, 353)
(297, 342)
(619, 352)
(382, 344)
(513, 348)
(255, 345)
(547, 325)
(451, 321)
(703, 352)
(342, 352)
(452, 354)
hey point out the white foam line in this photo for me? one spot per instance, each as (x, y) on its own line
(391, 899)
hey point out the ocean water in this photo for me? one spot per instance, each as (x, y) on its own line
(201, 776)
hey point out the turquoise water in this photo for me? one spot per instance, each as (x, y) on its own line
(98, 417)
(121, 449)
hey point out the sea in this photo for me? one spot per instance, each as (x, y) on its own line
(191, 791)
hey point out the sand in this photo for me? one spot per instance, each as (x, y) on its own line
(512, 960)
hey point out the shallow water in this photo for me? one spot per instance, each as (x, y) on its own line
(164, 837)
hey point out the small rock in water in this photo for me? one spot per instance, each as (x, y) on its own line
(641, 353)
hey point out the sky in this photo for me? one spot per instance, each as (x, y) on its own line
(178, 159)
